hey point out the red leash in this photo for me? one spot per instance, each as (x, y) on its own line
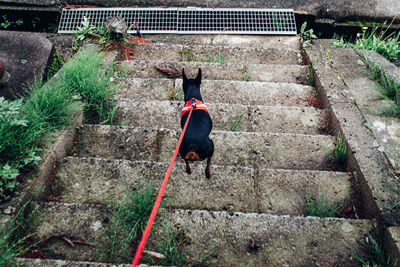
(147, 230)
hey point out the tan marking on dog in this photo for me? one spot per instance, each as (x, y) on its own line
(192, 156)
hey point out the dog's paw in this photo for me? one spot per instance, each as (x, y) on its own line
(208, 175)
(189, 170)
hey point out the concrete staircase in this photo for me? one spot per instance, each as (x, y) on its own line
(252, 212)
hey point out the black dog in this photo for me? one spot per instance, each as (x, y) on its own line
(196, 143)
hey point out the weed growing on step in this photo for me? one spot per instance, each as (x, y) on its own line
(370, 39)
(187, 53)
(247, 73)
(16, 236)
(310, 79)
(121, 69)
(306, 37)
(171, 249)
(340, 150)
(235, 124)
(374, 254)
(84, 78)
(6, 24)
(128, 220)
(319, 206)
(389, 90)
(56, 65)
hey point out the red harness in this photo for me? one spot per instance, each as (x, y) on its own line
(198, 105)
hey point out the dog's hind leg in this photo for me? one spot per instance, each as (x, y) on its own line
(188, 169)
(208, 175)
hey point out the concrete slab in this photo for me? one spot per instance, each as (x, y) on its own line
(229, 71)
(216, 54)
(378, 186)
(25, 56)
(273, 191)
(256, 41)
(246, 239)
(220, 91)
(260, 150)
(226, 117)
(393, 238)
(261, 240)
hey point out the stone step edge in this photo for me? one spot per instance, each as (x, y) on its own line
(201, 164)
(179, 81)
(238, 105)
(211, 63)
(213, 131)
(218, 46)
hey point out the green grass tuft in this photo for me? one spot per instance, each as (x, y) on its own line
(374, 255)
(370, 39)
(84, 78)
(127, 223)
(319, 206)
(235, 124)
(340, 150)
(15, 236)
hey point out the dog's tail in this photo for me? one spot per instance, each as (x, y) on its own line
(192, 154)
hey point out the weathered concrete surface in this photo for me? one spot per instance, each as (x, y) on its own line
(273, 191)
(364, 91)
(261, 239)
(392, 238)
(234, 92)
(246, 239)
(285, 151)
(228, 117)
(350, 116)
(228, 71)
(255, 41)
(216, 54)
(377, 9)
(25, 56)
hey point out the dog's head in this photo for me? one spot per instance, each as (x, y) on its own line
(191, 87)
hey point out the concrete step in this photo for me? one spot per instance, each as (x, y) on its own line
(229, 117)
(262, 150)
(228, 71)
(216, 54)
(220, 91)
(259, 41)
(231, 188)
(232, 238)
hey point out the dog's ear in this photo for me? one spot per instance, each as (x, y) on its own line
(198, 77)
(184, 78)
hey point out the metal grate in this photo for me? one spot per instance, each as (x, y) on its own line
(187, 20)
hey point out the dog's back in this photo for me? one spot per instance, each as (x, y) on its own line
(196, 143)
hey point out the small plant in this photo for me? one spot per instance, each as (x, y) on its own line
(310, 79)
(389, 89)
(306, 36)
(374, 256)
(121, 69)
(56, 64)
(235, 124)
(84, 32)
(340, 150)
(247, 76)
(15, 235)
(319, 206)
(187, 53)
(172, 249)
(127, 223)
(7, 24)
(388, 46)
